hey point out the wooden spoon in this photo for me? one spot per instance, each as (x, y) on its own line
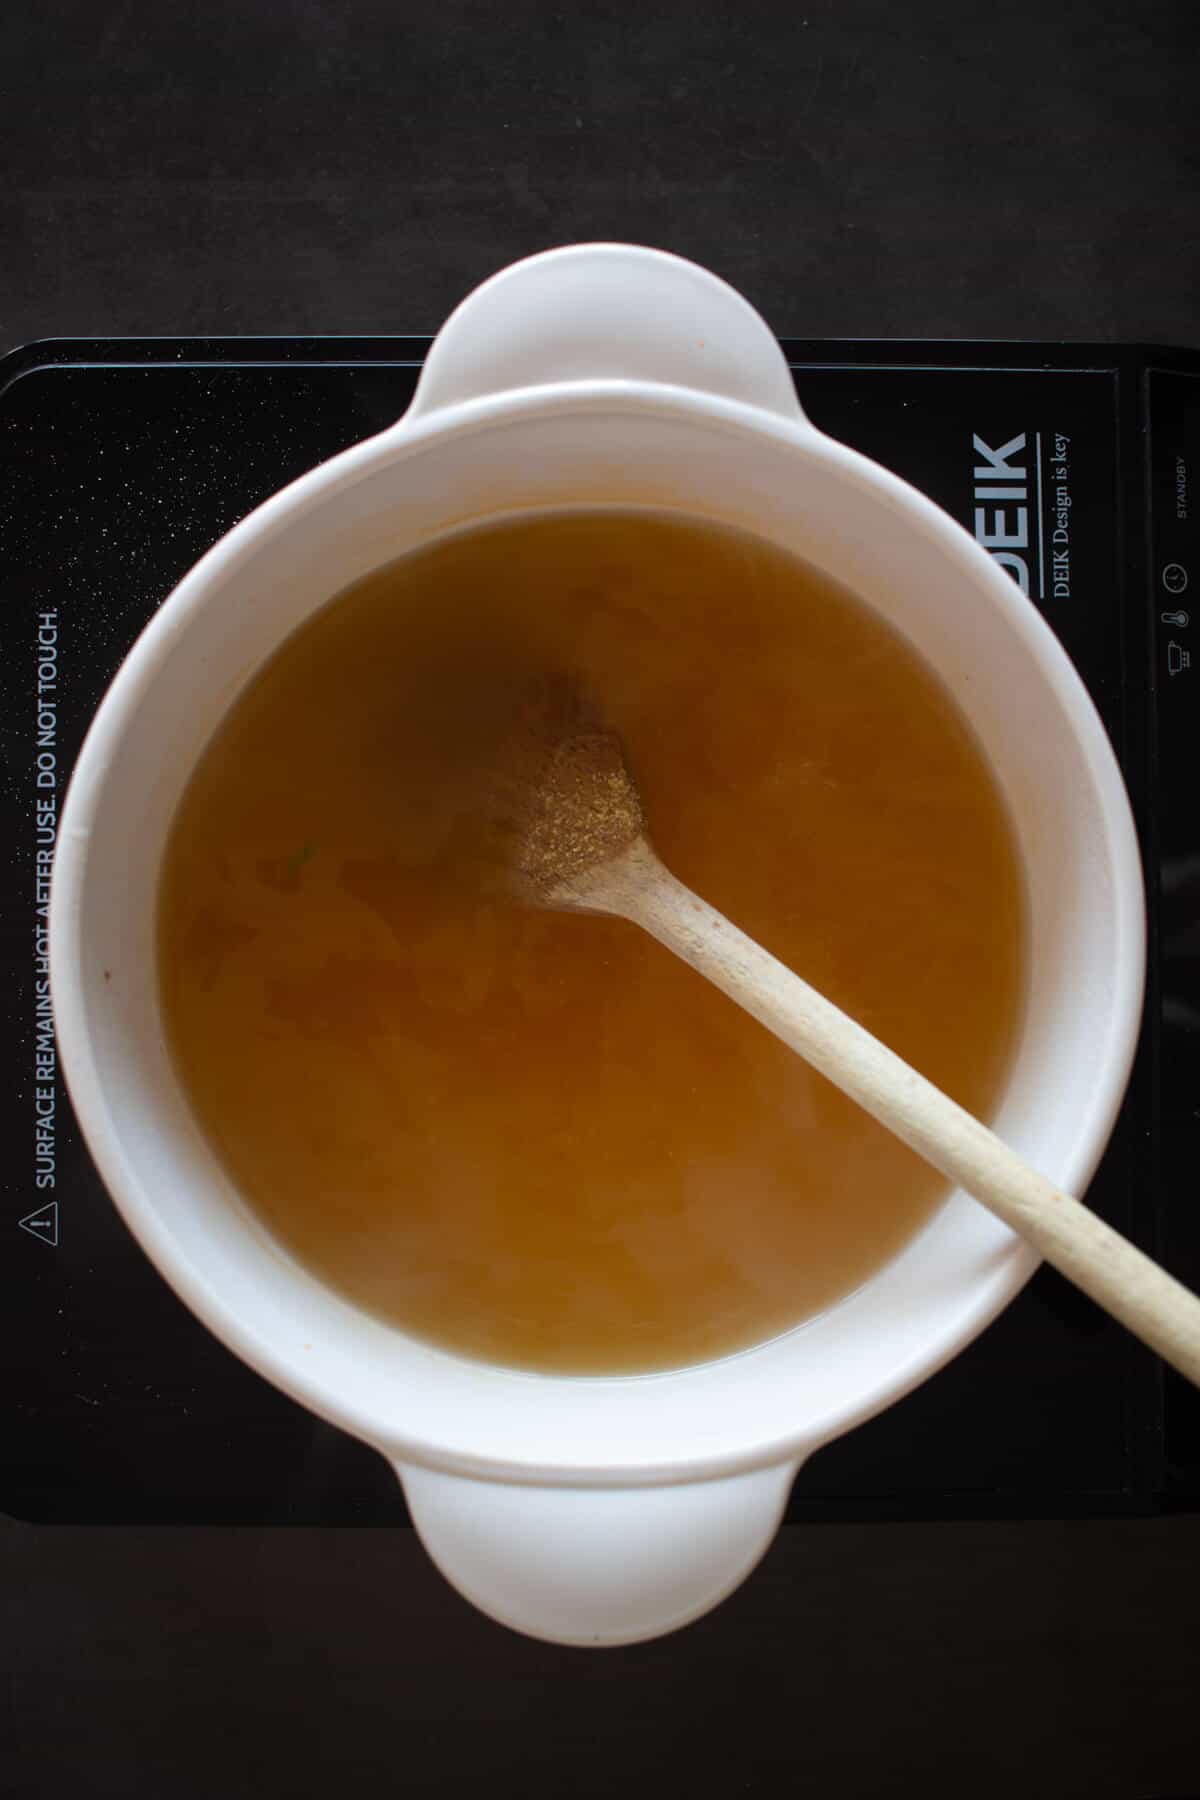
(575, 840)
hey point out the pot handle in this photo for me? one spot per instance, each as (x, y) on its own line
(596, 1566)
(606, 312)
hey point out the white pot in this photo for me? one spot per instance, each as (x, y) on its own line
(594, 1511)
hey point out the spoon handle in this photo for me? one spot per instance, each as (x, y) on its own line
(1128, 1284)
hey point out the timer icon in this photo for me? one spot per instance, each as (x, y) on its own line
(1174, 578)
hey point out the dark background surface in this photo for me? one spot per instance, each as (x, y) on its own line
(856, 168)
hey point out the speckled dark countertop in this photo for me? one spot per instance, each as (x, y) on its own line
(858, 168)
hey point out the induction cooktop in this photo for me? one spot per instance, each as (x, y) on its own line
(121, 461)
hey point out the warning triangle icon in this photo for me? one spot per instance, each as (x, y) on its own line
(43, 1223)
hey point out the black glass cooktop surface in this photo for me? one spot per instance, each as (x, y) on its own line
(121, 461)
